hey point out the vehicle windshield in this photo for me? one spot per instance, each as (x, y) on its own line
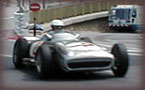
(63, 37)
(56, 36)
(122, 13)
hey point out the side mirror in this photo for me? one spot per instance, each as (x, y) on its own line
(77, 36)
(49, 36)
(134, 13)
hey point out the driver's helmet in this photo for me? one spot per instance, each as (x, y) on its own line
(57, 24)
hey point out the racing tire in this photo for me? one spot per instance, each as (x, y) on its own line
(87, 39)
(43, 62)
(21, 50)
(121, 63)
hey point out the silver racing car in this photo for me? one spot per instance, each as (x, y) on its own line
(68, 52)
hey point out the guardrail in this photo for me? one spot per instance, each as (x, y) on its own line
(46, 15)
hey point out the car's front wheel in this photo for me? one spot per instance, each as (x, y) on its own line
(43, 61)
(121, 64)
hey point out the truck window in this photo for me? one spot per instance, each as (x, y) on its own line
(123, 13)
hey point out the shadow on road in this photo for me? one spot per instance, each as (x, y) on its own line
(30, 74)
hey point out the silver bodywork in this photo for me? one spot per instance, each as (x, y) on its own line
(75, 55)
(82, 56)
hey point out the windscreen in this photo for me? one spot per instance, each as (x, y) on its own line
(123, 14)
(63, 37)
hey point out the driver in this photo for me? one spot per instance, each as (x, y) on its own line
(57, 27)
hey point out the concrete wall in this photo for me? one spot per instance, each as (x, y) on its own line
(72, 10)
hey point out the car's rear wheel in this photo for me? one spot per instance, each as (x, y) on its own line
(121, 64)
(20, 51)
(43, 61)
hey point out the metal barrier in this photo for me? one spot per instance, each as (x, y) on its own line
(46, 15)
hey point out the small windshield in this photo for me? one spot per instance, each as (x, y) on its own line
(59, 35)
(63, 36)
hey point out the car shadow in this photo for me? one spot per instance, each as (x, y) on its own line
(30, 74)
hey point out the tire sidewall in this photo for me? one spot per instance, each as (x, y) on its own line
(45, 57)
(19, 52)
(121, 60)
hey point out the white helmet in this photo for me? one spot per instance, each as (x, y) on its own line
(57, 23)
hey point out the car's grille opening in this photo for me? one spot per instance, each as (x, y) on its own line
(89, 64)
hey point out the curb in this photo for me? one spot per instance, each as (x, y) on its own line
(73, 20)
(78, 19)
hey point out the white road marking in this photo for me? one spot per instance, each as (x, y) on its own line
(8, 18)
(137, 50)
(113, 41)
(135, 54)
(104, 45)
(131, 51)
(11, 40)
(5, 55)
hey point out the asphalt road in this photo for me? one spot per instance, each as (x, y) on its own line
(28, 77)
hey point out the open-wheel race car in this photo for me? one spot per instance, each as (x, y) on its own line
(68, 52)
